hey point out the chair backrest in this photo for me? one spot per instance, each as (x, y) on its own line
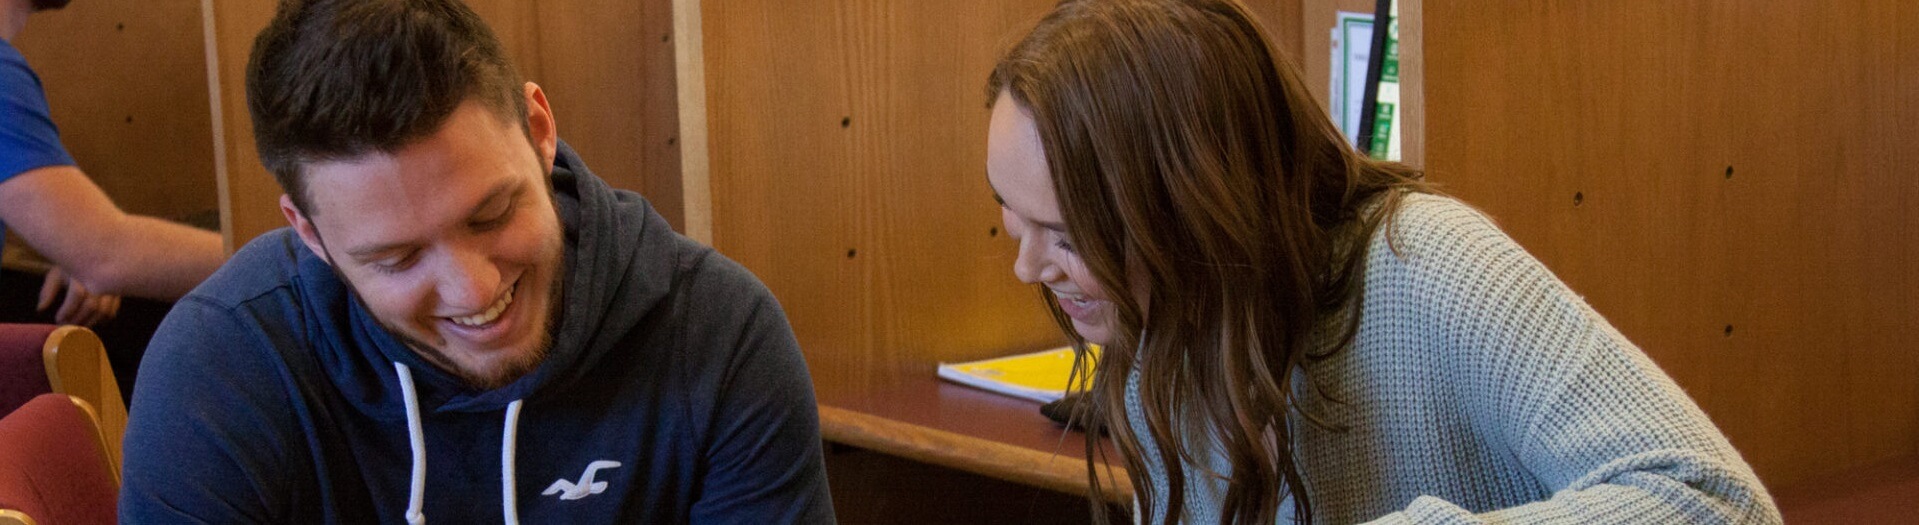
(37, 359)
(54, 467)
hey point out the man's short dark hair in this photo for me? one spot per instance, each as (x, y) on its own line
(336, 79)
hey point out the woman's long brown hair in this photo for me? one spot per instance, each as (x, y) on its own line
(1195, 171)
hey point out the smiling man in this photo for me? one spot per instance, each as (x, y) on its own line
(461, 322)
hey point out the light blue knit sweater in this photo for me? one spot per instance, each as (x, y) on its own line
(1482, 390)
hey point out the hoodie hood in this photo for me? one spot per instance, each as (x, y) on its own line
(674, 392)
(619, 261)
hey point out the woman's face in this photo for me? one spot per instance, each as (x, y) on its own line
(1016, 168)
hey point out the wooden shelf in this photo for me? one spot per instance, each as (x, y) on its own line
(932, 421)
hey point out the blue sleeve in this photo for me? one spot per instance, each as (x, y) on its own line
(765, 458)
(28, 139)
(209, 434)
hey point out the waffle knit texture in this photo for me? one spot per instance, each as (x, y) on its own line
(1482, 390)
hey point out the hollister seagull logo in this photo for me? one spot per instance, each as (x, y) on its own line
(569, 490)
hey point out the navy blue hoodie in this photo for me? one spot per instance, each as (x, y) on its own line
(674, 392)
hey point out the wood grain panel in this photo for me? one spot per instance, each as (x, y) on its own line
(689, 61)
(1412, 83)
(1281, 18)
(126, 84)
(249, 199)
(607, 68)
(848, 153)
(1730, 183)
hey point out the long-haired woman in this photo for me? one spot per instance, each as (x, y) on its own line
(1292, 330)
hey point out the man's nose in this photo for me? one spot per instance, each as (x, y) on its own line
(469, 282)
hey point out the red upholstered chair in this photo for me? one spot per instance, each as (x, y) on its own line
(37, 359)
(54, 468)
(23, 369)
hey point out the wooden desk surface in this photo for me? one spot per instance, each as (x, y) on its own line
(954, 426)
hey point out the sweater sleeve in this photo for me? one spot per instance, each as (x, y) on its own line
(1587, 413)
(763, 455)
(207, 438)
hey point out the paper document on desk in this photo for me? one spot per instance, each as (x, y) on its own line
(1039, 376)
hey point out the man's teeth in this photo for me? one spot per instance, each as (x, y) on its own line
(489, 315)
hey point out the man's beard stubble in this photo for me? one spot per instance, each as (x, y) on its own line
(513, 369)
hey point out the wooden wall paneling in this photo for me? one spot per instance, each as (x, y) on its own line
(608, 69)
(125, 82)
(1828, 108)
(249, 199)
(1723, 191)
(848, 153)
(1905, 102)
(1281, 18)
(603, 64)
(1412, 83)
(689, 57)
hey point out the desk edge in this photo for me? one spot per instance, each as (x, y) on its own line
(970, 454)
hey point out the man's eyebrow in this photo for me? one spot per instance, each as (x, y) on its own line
(367, 252)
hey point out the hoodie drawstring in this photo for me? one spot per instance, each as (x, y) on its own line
(416, 497)
(416, 439)
(508, 501)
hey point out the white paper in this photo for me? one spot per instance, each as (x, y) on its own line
(1352, 47)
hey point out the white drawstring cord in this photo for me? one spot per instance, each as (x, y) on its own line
(416, 437)
(508, 500)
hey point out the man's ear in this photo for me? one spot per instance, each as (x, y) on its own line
(540, 125)
(303, 226)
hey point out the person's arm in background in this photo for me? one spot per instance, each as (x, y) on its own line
(58, 211)
(64, 216)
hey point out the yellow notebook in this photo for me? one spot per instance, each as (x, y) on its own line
(1039, 376)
